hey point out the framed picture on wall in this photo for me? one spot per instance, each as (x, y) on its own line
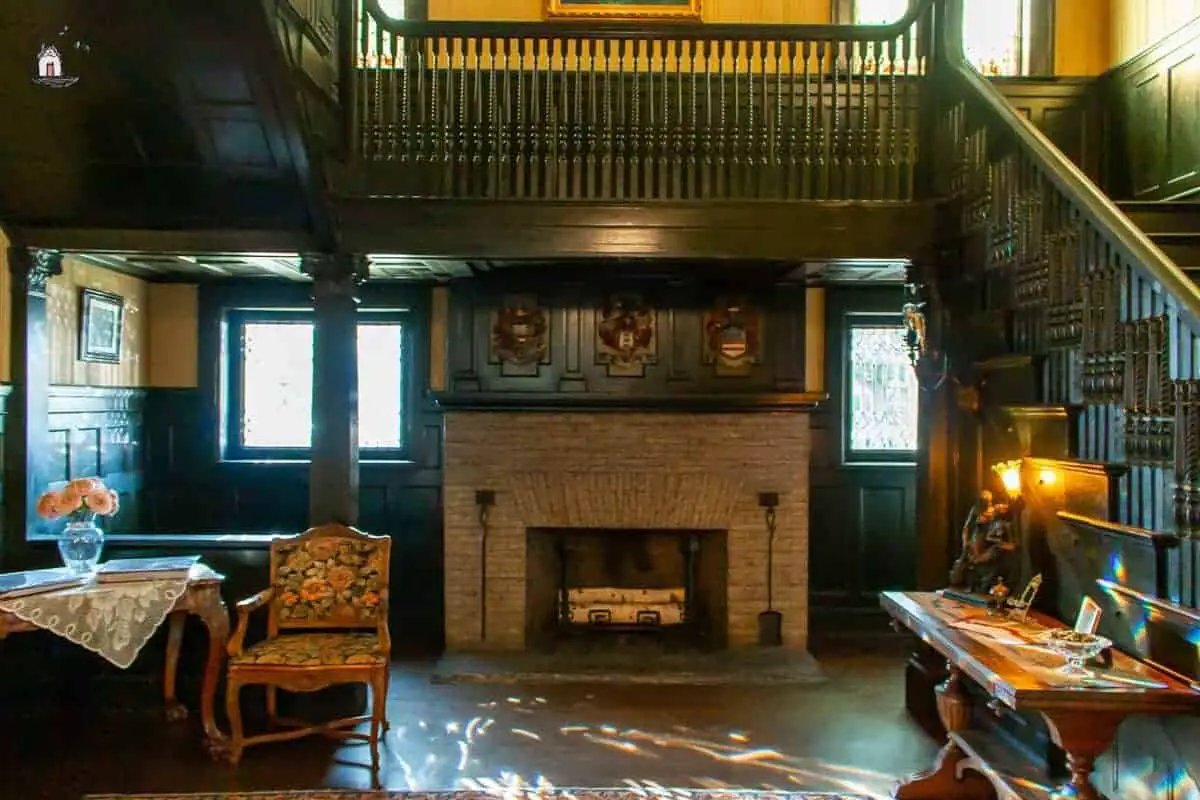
(101, 316)
(624, 9)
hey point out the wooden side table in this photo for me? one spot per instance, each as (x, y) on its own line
(203, 600)
(1082, 717)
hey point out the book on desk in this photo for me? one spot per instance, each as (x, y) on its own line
(38, 581)
(126, 570)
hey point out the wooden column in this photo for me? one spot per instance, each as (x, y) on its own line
(333, 475)
(26, 446)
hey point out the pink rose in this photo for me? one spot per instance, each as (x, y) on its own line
(49, 505)
(101, 501)
(116, 501)
(69, 500)
(86, 486)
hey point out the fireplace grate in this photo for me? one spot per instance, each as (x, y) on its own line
(611, 607)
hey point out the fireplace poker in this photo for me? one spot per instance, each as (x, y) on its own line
(770, 622)
(484, 499)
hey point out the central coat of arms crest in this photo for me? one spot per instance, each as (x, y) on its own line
(626, 336)
(732, 339)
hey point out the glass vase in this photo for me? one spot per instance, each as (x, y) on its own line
(80, 546)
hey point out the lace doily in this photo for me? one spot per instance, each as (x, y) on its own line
(113, 620)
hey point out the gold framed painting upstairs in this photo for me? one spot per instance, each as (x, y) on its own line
(624, 10)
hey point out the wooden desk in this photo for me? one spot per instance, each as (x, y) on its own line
(202, 599)
(1082, 719)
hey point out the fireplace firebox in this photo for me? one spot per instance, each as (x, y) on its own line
(618, 582)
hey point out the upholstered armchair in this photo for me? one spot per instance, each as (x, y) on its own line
(327, 624)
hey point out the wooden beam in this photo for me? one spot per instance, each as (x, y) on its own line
(531, 230)
(814, 339)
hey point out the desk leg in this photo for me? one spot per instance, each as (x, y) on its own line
(212, 612)
(1083, 736)
(943, 782)
(176, 710)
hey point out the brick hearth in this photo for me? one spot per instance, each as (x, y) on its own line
(623, 469)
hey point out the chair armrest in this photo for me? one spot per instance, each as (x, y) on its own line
(244, 609)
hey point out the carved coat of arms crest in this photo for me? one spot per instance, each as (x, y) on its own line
(520, 334)
(732, 339)
(626, 335)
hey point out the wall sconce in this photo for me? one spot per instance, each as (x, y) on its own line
(1010, 477)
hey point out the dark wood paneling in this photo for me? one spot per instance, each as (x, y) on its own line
(1069, 111)
(573, 363)
(190, 489)
(1153, 106)
(179, 119)
(862, 517)
(98, 432)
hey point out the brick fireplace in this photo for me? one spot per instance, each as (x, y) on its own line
(619, 471)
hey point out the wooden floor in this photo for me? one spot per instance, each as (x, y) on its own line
(849, 734)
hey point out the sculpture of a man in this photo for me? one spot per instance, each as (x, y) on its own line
(987, 541)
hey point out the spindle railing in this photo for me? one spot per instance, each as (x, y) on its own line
(606, 111)
(1118, 320)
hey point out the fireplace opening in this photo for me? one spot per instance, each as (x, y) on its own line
(614, 585)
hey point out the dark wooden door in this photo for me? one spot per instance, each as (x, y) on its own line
(862, 509)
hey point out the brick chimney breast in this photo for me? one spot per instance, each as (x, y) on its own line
(615, 470)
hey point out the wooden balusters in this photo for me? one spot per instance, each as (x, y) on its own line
(523, 111)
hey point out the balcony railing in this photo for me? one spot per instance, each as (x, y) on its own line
(562, 111)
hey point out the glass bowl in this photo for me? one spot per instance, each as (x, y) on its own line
(1076, 648)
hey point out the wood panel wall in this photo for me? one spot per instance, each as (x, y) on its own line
(1138, 24)
(1153, 120)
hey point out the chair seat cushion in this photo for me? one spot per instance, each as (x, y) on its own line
(314, 650)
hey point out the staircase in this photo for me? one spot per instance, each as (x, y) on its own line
(1173, 226)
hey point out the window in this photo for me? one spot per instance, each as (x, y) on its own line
(995, 32)
(269, 388)
(377, 48)
(882, 393)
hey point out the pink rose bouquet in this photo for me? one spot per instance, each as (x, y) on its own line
(81, 500)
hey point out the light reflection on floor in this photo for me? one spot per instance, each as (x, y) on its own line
(573, 744)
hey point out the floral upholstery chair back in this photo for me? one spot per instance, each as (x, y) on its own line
(330, 576)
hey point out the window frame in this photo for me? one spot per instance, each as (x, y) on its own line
(1037, 54)
(231, 368)
(851, 455)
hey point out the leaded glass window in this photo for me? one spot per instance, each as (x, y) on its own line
(883, 391)
(273, 370)
(380, 382)
(277, 383)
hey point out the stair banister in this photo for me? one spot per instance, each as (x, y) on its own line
(1088, 200)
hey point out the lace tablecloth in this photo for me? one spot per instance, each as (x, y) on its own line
(113, 620)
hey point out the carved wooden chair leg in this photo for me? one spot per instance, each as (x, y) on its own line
(378, 713)
(233, 710)
(273, 706)
(387, 688)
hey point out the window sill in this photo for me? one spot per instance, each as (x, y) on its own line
(167, 540)
(878, 463)
(365, 462)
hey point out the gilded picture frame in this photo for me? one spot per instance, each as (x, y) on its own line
(624, 9)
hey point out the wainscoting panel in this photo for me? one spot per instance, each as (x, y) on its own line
(97, 432)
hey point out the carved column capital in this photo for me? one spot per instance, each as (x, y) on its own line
(33, 267)
(335, 274)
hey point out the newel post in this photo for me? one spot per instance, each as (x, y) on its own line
(26, 456)
(333, 474)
